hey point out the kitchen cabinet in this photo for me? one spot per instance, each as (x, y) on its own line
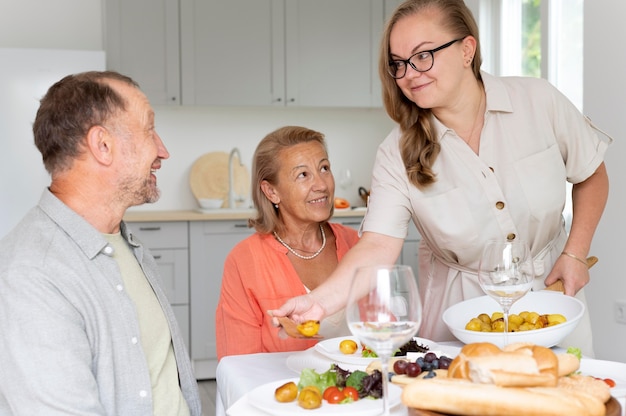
(210, 243)
(316, 53)
(142, 41)
(169, 244)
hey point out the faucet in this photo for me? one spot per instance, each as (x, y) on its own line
(231, 185)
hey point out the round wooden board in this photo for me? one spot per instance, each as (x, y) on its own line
(208, 177)
(613, 408)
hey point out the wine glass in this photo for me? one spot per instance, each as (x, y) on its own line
(506, 273)
(384, 312)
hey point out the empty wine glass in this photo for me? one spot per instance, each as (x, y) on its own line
(384, 311)
(506, 273)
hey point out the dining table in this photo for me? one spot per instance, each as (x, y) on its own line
(238, 376)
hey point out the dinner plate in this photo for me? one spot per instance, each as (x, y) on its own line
(606, 369)
(263, 399)
(312, 359)
(330, 349)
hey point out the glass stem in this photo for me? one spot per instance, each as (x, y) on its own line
(506, 326)
(384, 364)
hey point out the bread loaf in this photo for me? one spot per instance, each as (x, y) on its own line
(460, 396)
(525, 366)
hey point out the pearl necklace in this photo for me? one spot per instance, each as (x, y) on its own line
(317, 253)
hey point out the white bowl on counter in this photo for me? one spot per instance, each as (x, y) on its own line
(209, 203)
(542, 302)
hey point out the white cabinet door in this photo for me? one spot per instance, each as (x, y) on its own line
(210, 243)
(229, 49)
(331, 52)
(315, 53)
(142, 41)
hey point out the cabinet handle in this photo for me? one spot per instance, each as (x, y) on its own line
(157, 257)
(351, 223)
(149, 228)
(292, 100)
(278, 100)
(241, 225)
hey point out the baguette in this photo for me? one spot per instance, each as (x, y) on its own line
(527, 366)
(459, 396)
(567, 363)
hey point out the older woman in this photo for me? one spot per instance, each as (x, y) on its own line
(294, 248)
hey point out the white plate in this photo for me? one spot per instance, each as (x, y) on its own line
(263, 398)
(330, 349)
(312, 359)
(607, 369)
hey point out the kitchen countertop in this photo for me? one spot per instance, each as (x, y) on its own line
(216, 214)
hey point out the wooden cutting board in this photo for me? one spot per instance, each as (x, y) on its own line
(613, 408)
(208, 177)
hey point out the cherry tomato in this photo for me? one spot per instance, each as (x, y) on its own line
(610, 382)
(329, 391)
(351, 392)
(334, 396)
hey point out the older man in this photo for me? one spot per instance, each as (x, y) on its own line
(85, 328)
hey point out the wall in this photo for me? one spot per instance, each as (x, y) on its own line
(605, 103)
(352, 137)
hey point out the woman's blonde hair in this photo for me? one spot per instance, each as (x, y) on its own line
(265, 167)
(419, 146)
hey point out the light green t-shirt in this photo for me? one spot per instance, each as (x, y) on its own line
(156, 340)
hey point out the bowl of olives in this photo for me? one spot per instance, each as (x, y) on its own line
(542, 318)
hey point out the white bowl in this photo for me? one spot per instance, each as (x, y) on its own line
(542, 302)
(208, 203)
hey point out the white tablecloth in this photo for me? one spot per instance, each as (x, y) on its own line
(238, 375)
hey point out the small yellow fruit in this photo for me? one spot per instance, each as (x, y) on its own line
(309, 328)
(310, 398)
(287, 392)
(347, 346)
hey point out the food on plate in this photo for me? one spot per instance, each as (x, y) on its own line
(411, 346)
(520, 379)
(423, 365)
(344, 385)
(310, 398)
(341, 203)
(526, 365)
(596, 387)
(286, 393)
(309, 328)
(524, 321)
(348, 346)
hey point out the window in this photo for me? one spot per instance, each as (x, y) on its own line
(539, 38)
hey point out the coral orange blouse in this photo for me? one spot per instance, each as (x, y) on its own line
(258, 277)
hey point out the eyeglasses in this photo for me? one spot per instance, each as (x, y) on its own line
(421, 61)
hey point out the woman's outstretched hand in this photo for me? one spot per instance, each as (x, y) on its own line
(299, 309)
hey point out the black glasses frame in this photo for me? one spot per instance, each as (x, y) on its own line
(407, 62)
